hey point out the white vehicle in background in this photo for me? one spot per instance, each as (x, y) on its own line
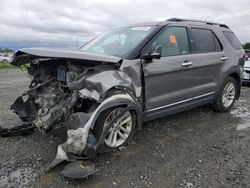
(246, 73)
(5, 58)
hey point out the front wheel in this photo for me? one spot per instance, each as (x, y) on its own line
(226, 96)
(121, 132)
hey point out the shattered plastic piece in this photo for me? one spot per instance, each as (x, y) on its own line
(60, 157)
(75, 144)
(90, 151)
(89, 94)
(24, 108)
(77, 170)
(24, 129)
(77, 140)
(78, 120)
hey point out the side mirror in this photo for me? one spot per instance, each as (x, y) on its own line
(155, 54)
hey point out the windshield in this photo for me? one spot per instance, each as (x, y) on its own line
(118, 42)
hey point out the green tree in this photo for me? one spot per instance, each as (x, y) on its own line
(246, 45)
(5, 50)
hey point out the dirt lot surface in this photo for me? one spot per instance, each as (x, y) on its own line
(198, 148)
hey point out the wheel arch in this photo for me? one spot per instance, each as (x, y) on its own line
(234, 72)
(133, 104)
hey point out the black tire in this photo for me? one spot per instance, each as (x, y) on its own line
(218, 105)
(99, 126)
(5, 61)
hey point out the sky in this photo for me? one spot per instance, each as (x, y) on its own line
(27, 23)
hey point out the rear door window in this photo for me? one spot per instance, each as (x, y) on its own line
(232, 40)
(205, 41)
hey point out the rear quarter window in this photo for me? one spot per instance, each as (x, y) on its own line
(232, 39)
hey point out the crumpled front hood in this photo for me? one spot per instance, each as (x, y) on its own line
(26, 55)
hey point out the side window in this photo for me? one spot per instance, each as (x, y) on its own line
(233, 40)
(174, 41)
(217, 44)
(205, 41)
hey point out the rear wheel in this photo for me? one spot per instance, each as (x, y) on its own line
(226, 96)
(5, 61)
(121, 132)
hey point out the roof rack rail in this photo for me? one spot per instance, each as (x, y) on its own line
(199, 21)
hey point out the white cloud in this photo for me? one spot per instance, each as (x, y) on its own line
(66, 20)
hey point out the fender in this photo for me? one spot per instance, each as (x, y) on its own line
(118, 100)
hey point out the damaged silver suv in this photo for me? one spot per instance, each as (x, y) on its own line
(104, 91)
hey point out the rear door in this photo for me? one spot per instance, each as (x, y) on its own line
(183, 73)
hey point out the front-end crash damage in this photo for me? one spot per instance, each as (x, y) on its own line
(72, 88)
(79, 143)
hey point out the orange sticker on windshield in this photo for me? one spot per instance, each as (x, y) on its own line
(172, 39)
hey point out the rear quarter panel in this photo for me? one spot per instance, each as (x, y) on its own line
(235, 61)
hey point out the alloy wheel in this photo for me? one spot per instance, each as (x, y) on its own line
(228, 95)
(121, 129)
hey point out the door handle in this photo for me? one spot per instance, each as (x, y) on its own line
(224, 58)
(187, 63)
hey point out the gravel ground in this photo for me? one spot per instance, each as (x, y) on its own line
(197, 148)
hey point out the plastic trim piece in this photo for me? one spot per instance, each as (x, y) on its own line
(179, 102)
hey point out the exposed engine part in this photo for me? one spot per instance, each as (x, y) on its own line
(50, 101)
(52, 106)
